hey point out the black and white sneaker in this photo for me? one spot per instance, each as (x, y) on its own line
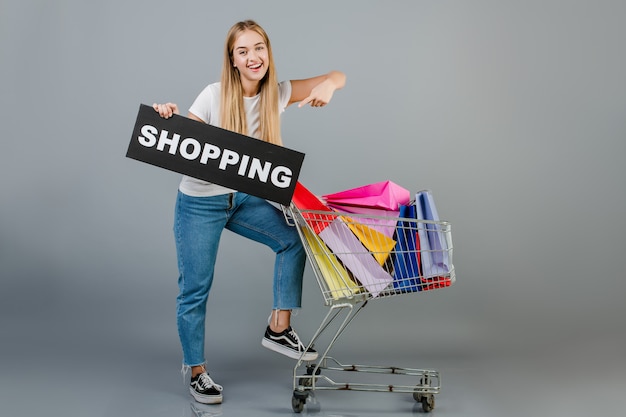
(204, 390)
(287, 343)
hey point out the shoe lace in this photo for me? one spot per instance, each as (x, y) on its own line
(206, 382)
(294, 335)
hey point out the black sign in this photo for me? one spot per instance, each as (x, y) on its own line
(215, 155)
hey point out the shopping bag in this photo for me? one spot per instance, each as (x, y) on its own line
(385, 195)
(406, 253)
(337, 279)
(343, 242)
(435, 260)
(355, 257)
(379, 199)
(377, 243)
(384, 221)
(304, 199)
(420, 258)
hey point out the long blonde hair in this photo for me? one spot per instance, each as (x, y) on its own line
(233, 115)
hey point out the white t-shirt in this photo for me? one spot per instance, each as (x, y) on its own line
(207, 107)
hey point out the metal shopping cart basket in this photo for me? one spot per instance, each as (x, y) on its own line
(359, 258)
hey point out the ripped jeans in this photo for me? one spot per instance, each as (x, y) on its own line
(198, 225)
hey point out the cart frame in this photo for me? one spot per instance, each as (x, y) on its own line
(346, 298)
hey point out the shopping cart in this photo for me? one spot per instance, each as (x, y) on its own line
(359, 258)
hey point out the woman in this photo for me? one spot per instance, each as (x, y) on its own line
(248, 100)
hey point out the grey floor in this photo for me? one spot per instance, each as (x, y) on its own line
(60, 366)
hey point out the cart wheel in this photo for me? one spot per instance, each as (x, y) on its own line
(417, 396)
(298, 400)
(310, 368)
(297, 405)
(428, 403)
(418, 393)
(305, 382)
(308, 382)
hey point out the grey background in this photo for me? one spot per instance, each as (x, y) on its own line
(512, 113)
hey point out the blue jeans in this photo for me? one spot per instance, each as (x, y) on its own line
(199, 222)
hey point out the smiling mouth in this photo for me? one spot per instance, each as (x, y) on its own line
(255, 67)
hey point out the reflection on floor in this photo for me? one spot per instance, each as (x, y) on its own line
(488, 386)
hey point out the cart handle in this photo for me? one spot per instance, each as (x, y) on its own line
(288, 214)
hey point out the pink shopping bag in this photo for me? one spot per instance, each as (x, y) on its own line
(385, 195)
(385, 224)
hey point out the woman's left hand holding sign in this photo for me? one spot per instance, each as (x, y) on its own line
(166, 110)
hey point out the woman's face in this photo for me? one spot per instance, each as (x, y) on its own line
(250, 56)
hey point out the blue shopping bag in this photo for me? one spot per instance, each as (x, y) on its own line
(421, 259)
(406, 254)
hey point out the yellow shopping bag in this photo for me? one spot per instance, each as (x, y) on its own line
(377, 243)
(337, 278)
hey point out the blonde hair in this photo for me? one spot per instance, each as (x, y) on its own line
(233, 115)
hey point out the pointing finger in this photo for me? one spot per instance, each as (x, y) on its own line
(305, 101)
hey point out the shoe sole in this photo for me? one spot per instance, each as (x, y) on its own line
(278, 348)
(206, 399)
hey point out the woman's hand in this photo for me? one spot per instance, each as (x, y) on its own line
(166, 110)
(316, 91)
(320, 95)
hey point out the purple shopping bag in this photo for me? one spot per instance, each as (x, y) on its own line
(355, 257)
(435, 259)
